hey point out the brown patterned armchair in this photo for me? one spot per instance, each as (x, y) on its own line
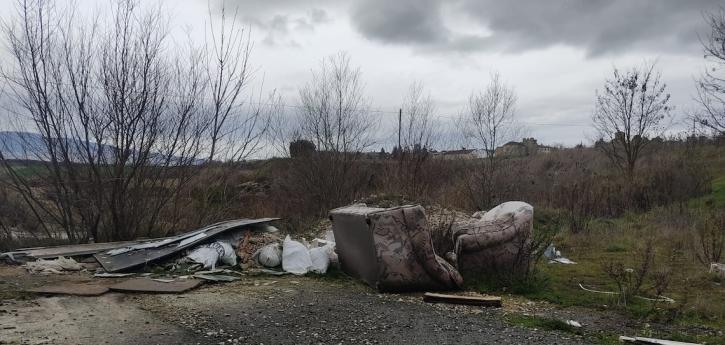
(390, 249)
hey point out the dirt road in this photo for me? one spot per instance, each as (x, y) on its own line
(259, 310)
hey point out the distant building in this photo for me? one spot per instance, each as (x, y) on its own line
(462, 154)
(527, 147)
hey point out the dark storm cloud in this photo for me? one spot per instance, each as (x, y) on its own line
(597, 26)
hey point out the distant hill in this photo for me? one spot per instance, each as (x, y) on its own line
(31, 147)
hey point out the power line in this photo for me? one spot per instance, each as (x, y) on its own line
(300, 107)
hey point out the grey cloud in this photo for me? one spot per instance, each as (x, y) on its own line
(597, 26)
(277, 28)
(401, 21)
(277, 20)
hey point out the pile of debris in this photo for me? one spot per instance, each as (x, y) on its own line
(219, 252)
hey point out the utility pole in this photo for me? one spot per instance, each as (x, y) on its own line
(400, 125)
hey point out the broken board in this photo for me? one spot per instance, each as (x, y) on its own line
(71, 289)
(467, 300)
(172, 245)
(154, 286)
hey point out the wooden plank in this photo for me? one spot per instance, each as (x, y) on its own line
(154, 286)
(466, 300)
(71, 289)
(140, 257)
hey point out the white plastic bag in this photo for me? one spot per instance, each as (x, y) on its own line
(209, 254)
(268, 256)
(295, 257)
(320, 258)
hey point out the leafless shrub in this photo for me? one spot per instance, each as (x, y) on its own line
(630, 281)
(709, 236)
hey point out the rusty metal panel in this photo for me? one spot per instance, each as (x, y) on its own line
(170, 245)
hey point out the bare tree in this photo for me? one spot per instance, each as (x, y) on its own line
(418, 121)
(417, 136)
(711, 86)
(115, 118)
(488, 122)
(335, 115)
(236, 129)
(630, 110)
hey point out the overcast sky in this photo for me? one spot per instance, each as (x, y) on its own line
(556, 53)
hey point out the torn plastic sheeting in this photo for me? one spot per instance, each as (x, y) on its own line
(56, 266)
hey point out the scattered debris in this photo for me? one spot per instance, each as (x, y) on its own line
(244, 249)
(216, 277)
(138, 255)
(268, 271)
(555, 257)
(717, 268)
(642, 340)
(467, 300)
(658, 299)
(71, 289)
(163, 280)
(573, 323)
(112, 275)
(150, 285)
(56, 266)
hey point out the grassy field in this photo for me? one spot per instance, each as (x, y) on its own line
(699, 297)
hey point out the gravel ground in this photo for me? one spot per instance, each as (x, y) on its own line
(256, 310)
(310, 311)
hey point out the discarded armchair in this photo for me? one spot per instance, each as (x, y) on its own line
(498, 242)
(391, 249)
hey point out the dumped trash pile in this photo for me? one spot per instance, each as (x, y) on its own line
(389, 248)
(219, 252)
